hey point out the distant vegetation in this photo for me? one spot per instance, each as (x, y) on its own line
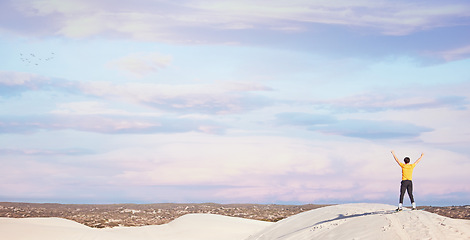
(112, 215)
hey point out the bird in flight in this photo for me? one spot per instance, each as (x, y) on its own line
(31, 59)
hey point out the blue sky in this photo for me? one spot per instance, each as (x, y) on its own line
(233, 101)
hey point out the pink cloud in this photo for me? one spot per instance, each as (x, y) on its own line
(455, 54)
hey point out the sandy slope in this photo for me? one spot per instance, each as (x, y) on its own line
(348, 221)
(187, 227)
(365, 221)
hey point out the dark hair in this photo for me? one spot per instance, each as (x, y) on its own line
(407, 160)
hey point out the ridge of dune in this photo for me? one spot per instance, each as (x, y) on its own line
(365, 221)
(196, 226)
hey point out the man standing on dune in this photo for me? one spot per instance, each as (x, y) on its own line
(406, 183)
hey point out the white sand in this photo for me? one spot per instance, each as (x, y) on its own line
(348, 221)
(365, 221)
(187, 227)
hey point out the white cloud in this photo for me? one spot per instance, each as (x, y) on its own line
(141, 64)
(84, 26)
(87, 108)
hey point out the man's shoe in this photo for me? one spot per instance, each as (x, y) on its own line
(414, 208)
(398, 209)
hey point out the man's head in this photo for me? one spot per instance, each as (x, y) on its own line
(407, 160)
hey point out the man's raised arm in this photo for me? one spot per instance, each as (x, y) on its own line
(396, 159)
(419, 159)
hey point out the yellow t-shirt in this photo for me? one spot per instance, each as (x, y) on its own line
(407, 171)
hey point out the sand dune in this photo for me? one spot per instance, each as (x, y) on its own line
(348, 221)
(365, 221)
(187, 227)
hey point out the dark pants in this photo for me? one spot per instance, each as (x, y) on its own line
(406, 185)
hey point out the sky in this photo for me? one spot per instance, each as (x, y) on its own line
(279, 101)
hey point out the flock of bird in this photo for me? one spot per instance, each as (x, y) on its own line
(32, 59)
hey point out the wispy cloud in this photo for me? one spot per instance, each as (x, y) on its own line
(91, 108)
(369, 129)
(14, 83)
(304, 119)
(154, 21)
(397, 18)
(357, 128)
(454, 54)
(46, 152)
(201, 98)
(216, 98)
(141, 64)
(405, 100)
(106, 124)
